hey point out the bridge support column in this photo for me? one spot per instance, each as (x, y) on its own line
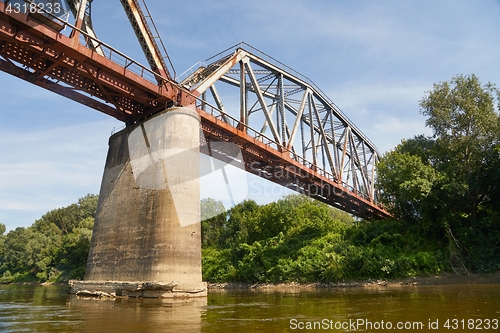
(147, 237)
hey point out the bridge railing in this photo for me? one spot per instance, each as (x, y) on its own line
(108, 51)
(120, 58)
(179, 78)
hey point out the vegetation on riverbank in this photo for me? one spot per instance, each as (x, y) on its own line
(54, 248)
(297, 239)
(293, 239)
(448, 185)
(444, 192)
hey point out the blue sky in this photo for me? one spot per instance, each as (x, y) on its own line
(374, 59)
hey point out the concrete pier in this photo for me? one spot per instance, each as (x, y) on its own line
(147, 236)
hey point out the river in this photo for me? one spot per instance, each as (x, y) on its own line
(451, 308)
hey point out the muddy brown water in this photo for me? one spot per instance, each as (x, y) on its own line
(444, 308)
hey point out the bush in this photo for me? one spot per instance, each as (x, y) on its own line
(311, 243)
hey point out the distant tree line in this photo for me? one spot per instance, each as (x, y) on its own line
(54, 248)
(293, 239)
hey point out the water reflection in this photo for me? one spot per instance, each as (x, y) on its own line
(50, 309)
(138, 315)
(25, 308)
(277, 311)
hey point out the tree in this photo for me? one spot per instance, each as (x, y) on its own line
(466, 126)
(2, 241)
(213, 219)
(491, 182)
(450, 182)
(54, 248)
(406, 182)
(62, 221)
(16, 254)
(451, 165)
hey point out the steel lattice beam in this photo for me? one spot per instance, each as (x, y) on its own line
(335, 158)
(113, 84)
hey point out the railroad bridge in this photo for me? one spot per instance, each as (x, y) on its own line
(146, 239)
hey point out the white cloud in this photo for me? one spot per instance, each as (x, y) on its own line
(51, 168)
(389, 131)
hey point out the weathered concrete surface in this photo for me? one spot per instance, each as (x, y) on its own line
(134, 289)
(138, 235)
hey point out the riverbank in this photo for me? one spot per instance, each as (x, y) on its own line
(434, 280)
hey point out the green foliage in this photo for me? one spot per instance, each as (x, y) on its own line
(213, 217)
(54, 248)
(406, 181)
(217, 265)
(450, 184)
(463, 116)
(299, 239)
(2, 243)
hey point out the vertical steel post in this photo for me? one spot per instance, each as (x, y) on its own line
(75, 34)
(311, 125)
(243, 104)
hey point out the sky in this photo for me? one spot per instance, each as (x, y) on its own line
(374, 59)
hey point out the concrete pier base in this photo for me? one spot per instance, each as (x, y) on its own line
(147, 236)
(139, 289)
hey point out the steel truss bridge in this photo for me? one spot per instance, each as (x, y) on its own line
(288, 130)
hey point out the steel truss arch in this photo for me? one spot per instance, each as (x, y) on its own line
(279, 105)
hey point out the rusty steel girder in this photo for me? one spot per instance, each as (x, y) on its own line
(315, 148)
(261, 158)
(45, 57)
(152, 46)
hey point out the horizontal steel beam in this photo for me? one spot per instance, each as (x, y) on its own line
(51, 56)
(261, 158)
